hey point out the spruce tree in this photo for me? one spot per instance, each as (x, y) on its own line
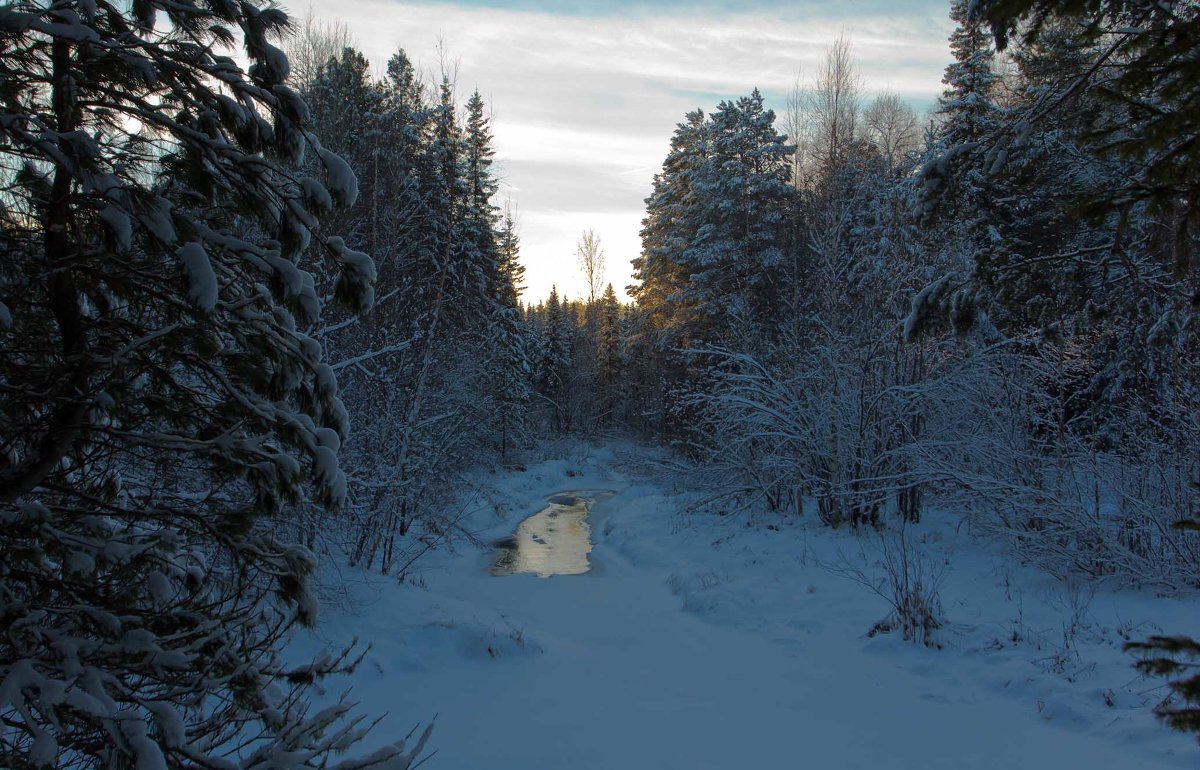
(510, 377)
(554, 370)
(608, 355)
(958, 196)
(480, 216)
(968, 103)
(379, 126)
(1177, 659)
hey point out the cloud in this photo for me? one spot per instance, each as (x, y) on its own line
(586, 96)
(546, 142)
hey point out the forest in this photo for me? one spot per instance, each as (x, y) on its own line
(264, 340)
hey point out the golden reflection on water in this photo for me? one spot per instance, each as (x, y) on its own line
(554, 541)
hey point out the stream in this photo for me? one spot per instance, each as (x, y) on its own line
(554, 541)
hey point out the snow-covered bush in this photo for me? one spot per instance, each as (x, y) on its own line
(1001, 451)
(907, 580)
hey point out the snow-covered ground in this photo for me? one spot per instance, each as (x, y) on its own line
(707, 641)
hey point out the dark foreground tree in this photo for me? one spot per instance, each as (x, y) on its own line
(1145, 69)
(161, 407)
(1178, 659)
(1144, 73)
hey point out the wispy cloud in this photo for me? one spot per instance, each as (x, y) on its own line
(586, 96)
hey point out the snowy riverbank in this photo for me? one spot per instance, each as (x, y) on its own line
(701, 641)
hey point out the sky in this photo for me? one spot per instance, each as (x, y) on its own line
(584, 96)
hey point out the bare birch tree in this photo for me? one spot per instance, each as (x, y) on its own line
(834, 109)
(795, 125)
(591, 263)
(312, 45)
(892, 126)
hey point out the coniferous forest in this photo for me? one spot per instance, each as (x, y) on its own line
(264, 346)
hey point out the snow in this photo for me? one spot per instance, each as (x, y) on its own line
(157, 219)
(342, 181)
(75, 30)
(148, 755)
(159, 586)
(119, 225)
(706, 641)
(44, 750)
(80, 562)
(316, 197)
(328, 475)
(202, 281)
(357, 280)
(276, 61)
(169, 723)
(327, 437)
(923, 306)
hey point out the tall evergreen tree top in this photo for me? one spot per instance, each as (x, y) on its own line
(405, 82)
(968, 100)
(481, 183)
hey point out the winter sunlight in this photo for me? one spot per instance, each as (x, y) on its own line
(531, 385)
(555, 541)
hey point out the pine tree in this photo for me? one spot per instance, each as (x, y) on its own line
(669, 226)
(714, 242)
(163, 411)
(741, 194)
(1149, 74)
